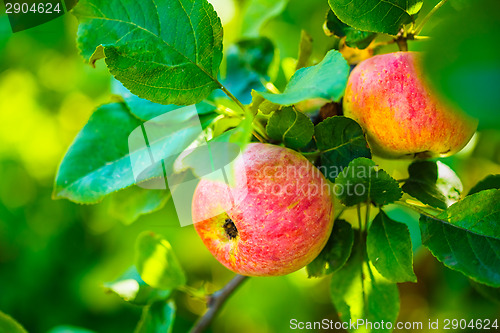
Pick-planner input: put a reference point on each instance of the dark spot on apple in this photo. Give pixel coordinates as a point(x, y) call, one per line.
point(230, 229)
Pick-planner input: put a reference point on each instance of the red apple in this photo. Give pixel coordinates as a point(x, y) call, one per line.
point(401, 115)
point(282, 217)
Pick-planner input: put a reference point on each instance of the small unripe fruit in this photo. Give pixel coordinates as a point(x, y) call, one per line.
point(400, 114)
point(281, 219)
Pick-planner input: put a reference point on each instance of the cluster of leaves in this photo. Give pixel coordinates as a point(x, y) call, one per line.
point(158, 71)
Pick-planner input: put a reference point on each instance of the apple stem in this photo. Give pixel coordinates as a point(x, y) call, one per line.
point(402, 44)
point(215, 303)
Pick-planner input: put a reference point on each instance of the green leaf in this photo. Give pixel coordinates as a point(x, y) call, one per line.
point(9, 325)
point(147, 110)
point(168, 52)
point(305, 50)
point(131, 288)
point(130, 204)
point(433, 183)
point(99, 150)
point(87, 174)
point(157, 318)
point(466, 237)
point(156, 262)
point(379, 301)
point(353, 37)
point(248, 63)
point(362, 182)
point(384, 16)
point(490, 182)
point(336, 251)
point(291, 127)
point(261, 104)
point(326, 80)
point(340, 140)
point(389, 249)
point(257, 13)
point(467, 76)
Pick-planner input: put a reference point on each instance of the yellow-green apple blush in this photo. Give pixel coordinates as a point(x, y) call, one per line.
point(400, 113)
point(279, 215)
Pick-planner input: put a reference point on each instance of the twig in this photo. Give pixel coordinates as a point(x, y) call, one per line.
point(215, 303)
point(418, 210)
point(427, 17)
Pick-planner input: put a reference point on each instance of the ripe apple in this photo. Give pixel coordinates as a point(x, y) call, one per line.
point(282, 219)
point(401, 115)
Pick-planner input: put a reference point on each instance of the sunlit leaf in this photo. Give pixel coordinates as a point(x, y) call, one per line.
point(433, 183)
point(389, 249)
point(168, 52)
point(363, 182)
point(326, 80)
point(128, 205)
point(87, 174)
point(466, 237)
point(132, 288)
point(156, 262)
point(376, 15)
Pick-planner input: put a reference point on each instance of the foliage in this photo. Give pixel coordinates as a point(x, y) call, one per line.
point(167, 62)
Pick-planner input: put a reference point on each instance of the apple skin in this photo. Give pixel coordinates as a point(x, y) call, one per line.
point(279, 230)
point(400, 114)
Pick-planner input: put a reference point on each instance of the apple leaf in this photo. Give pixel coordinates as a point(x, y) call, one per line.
point(433, 183)
point(257, 13)
point(353, 37)
point(131, 288)
point(291, 127)
point(490, 182)
point(336, 251)
point(261, 104)
point(156, 262)
point(362, 182)
point(466, 236)
point(305, 50)
point(147, 110)
point(465, 77)
point(339, 140)
point(327, 80)
point(128, 205)
point(389, 249)
point(359, 292)
point(83, 175)
point(384, 16)
point(157, 317)
point(87, 175)
point(9, 325)
point(248, 63)
point(168, 52)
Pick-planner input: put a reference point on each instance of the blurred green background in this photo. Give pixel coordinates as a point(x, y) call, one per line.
point(56, 255)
